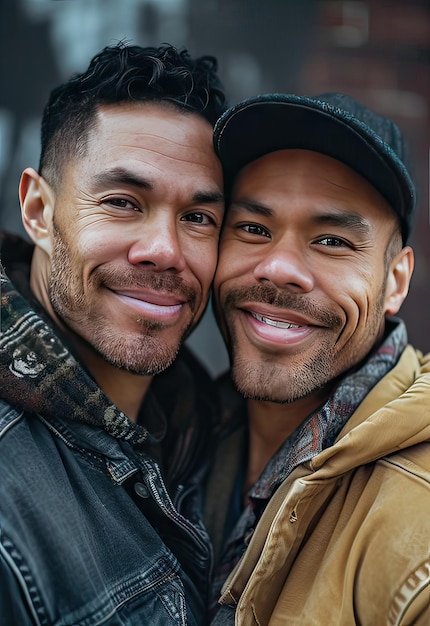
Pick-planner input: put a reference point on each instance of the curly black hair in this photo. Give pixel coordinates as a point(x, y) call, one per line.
point(124, 73)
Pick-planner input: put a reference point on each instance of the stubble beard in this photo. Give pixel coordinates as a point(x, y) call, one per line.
point(280, 382)
point(285, 381)
point(145, 353)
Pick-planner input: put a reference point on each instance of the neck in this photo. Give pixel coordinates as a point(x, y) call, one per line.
point(126, 389)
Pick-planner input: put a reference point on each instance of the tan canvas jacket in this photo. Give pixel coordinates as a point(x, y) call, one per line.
point(345, 539)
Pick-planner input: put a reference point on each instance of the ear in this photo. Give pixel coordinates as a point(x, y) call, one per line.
point(37, 208)
point(398, 280)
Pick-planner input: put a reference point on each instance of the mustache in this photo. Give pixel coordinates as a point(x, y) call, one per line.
point(145, 279)
point(269, 294)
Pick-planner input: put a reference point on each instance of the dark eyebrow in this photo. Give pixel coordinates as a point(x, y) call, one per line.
point(208, 197)
point(253, 207)
point(347, 220)
point(342, 219)
point(122, 176)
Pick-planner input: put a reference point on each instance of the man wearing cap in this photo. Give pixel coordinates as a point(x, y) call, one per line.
point(321, 478)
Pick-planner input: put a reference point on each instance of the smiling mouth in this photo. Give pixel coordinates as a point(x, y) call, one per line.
point(151, 305)
point(270, 322)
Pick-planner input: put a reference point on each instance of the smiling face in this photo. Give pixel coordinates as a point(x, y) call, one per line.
point(304, 278)
point(130, 238)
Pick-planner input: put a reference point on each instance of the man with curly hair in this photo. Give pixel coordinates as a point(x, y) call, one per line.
point(104, 417)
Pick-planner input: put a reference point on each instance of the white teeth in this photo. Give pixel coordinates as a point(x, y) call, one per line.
point(267, 320)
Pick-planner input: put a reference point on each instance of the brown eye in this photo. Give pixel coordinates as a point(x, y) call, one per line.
point(255, 229)
point(333, 242)
point(198, 218)
point(121, 203)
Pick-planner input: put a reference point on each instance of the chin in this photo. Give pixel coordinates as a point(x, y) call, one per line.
point(278, 382)
point(147, 355)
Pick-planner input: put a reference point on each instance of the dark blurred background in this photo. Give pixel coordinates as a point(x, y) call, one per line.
point(376, 50)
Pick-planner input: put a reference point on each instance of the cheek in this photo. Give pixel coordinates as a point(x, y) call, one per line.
point(202, 261)
point(97, 250)
point(360, 302)
point(223, 274)
point(101, 242)
point(80, 256)
point(234, 263)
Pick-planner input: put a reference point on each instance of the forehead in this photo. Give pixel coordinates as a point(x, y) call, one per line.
point(147, 121)
point(288, 165)
point(157, 136)
point(308, 176)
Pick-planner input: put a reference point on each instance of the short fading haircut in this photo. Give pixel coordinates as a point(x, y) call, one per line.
point(124, 73)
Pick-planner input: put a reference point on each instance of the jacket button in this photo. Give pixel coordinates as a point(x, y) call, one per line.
point(141, 490)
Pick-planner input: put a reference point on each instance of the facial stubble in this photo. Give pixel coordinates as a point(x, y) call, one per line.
point(271, 376)
point(145, 353)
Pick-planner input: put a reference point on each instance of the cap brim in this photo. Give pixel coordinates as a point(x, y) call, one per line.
point(262, 125)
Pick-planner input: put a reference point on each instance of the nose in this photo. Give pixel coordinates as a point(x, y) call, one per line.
point(158, 246)
point(286, 267)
